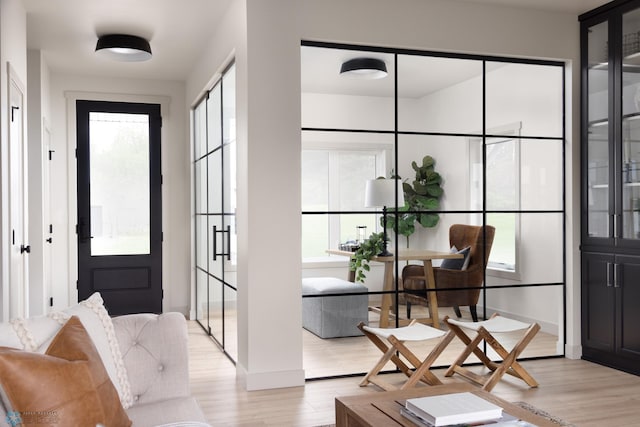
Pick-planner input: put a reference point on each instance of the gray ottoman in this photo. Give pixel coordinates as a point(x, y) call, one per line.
point(336, 316)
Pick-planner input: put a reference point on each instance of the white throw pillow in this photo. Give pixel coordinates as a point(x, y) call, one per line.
point(36, 333)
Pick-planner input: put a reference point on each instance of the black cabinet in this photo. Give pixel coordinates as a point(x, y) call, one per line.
point(610, 219)
point(610, 315)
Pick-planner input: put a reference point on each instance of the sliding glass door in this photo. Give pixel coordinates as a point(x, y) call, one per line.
point(214, 164)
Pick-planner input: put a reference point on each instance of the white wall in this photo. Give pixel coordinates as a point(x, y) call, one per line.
point(175, 170)
point(13, 50)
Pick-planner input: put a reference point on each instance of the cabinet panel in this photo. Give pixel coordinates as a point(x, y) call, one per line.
point(628, 296)
point(598, 301)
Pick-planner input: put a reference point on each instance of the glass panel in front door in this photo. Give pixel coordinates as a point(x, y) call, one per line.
point(631, 125)
point(598, 132)
point(119, 158)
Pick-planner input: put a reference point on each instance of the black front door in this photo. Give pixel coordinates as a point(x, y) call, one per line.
point(119, 224)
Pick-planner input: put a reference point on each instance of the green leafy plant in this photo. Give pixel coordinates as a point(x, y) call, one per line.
point(368, 249)
point(423, 194)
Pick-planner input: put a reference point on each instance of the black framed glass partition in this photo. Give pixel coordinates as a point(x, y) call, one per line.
point(214, 165)
point(494, 128)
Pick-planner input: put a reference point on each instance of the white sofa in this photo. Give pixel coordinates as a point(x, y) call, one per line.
point(145, 355)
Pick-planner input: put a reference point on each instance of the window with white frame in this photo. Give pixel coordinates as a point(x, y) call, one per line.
point(502, 172)
point(333, 181)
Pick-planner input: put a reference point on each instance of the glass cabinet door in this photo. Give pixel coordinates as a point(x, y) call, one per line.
point(598, 147)
point(630, 138)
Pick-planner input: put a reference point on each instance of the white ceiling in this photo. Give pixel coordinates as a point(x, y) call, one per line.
point(66, 31)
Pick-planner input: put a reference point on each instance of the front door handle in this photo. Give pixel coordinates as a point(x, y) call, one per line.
point(24, 249)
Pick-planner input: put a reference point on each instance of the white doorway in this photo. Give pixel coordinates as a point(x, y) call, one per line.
point(19, 248)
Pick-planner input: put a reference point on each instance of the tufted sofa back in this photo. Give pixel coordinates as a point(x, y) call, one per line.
point(155, 353)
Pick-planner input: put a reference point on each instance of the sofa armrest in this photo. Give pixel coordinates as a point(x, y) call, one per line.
point(155, 353)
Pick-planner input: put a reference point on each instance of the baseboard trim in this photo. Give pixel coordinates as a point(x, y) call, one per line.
point(572, 351)
point(270, 380)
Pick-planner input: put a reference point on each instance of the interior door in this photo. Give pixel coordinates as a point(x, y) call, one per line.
point(18, 268)
point(119, 224)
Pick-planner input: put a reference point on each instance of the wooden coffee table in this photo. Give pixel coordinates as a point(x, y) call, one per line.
point(383, 408)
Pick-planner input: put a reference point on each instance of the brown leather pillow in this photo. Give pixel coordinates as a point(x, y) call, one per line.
point(68, 385)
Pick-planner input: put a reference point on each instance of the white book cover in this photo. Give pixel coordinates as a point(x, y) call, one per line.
point(455, 408)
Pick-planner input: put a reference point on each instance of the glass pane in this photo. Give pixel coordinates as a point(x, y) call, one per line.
point(532, 240)
point(201, 185)
point(119, 159)
point(217, 245)
point(336, 101)
point(630, 124)
point(350, 225)
point(315, 236)
point(503, 174)
point(229, 179)
point(215, 308)
point(541, 304)
point(230, 322)
point(200, 130)
point(458, 181)
point(214, 166)
point(201, 241)
point(315, 180)
point(214, 129)
point(439, 94)
point(541, 174)
point(503, 250)
point(230, 273)
point(229, 105)
point(598, 133)
point(353, 170)
point(531, 94)
point(202, 312)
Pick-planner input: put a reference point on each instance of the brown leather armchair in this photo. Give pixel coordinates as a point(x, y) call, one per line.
point(480, 239)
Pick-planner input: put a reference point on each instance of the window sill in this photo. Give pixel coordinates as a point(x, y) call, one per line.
point(325, 262)
point(503, 274)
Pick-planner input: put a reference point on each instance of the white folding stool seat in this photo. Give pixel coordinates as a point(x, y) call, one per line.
point(396, 337)
point(484, 330)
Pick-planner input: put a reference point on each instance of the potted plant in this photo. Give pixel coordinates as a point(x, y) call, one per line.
point(421, 196)
point(369, 248)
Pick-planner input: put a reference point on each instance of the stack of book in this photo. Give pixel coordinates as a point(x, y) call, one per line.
point(457, 409)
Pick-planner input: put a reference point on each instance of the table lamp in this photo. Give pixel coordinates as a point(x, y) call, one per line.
point(382, 193)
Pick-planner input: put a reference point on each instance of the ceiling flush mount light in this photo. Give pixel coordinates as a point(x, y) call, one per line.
point(123, 47)
point(365, 68)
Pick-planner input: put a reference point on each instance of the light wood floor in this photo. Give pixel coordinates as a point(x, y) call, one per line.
point(580, 392)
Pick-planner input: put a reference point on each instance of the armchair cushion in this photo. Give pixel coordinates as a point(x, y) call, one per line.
point(457, 263)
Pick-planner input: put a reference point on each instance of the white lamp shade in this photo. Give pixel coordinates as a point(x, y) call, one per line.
point(382, 192)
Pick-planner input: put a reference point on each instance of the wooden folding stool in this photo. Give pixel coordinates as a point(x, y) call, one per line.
point(484, 330)
point(396, 337)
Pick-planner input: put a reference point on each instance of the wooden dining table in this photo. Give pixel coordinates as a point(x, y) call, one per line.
point(424, 255)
